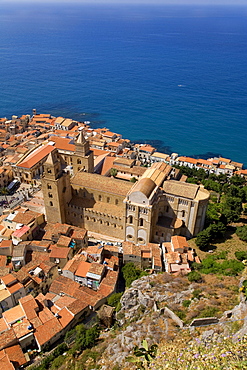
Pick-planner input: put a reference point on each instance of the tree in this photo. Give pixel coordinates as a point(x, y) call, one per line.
point(242, 233)
point(216, 230)
point(231, 209)
point(203, 240)
point(237, 180)
point(131, 273)
point(212, 185)
point(213, 213)
point(114, 300)
point(191, 180)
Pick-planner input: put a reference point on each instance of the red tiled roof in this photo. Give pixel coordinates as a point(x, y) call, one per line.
point(65, 317)
point(23, 230)
point(16, 355)
point(83, 269)
point(47, 331)
point(63, 143)
point(36, 156)
point(7, 279)
point(59, 252)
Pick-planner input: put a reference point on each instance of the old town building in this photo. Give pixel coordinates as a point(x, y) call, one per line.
point(153, 209)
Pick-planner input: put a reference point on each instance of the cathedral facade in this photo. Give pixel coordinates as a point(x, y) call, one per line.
point(153, 209)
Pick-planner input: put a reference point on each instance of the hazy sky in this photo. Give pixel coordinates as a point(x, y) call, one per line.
point(182, 2)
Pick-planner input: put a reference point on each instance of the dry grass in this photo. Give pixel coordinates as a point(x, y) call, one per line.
point(183, 353)
point(231, 244)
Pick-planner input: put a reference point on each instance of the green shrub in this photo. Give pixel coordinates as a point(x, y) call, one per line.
point(114, 300)
point(194, 276)
point(242, 233)
point(180, 314)
point(57, 362)
point(197, 293)
point(131, 273)
point(241, 255)
point(186, 303)
point(228, 267)
point(209, 311)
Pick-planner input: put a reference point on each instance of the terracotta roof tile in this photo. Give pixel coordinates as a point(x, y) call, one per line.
point(59, 252)
point(13, 314)
point(21, 328)
point(47, 331)
point(83, 269)
point(65, 317)
point(5, 361)
point(45, 315)
point(104, 184)
point(16, 355)
point(36, 156)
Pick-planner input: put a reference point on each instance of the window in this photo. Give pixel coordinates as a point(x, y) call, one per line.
point(131, 219)
point(100, 197)
point(51, 204)
point(116, 202)
point(140, 240)
point(78, 161)
point(48, 170)
point(108, 200)
point(50, 195)
point(182, 213)
point(141, 222)
point(49, 186)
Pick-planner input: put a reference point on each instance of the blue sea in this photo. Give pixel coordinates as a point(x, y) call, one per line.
point(170, 75)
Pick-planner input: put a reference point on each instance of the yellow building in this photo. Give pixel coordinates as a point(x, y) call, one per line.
point(153, 209)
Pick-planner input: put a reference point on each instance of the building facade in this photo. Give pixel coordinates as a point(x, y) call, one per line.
point(153, 209)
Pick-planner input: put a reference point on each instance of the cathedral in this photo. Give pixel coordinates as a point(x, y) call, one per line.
point(156, 207)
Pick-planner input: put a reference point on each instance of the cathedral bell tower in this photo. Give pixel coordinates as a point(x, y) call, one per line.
point(56, 189)
point(82, 159)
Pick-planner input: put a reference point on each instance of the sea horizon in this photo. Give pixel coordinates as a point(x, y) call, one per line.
point(170, 75)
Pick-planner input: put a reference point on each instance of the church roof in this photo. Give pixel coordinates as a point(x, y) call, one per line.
point(145, 186)
point(179, 189)
point(101, 183)
point(81, 139)
point(51, 159)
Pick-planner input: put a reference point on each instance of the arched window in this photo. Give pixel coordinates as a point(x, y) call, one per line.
point(130, 219)
point(49, 186)
point(141, 222)
point(183, 213)
point(78, 161)
point(100, 197)
point(50, 195)
point(116, 202)
point(140, 240)
point(108, 200)
point(51, 204)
